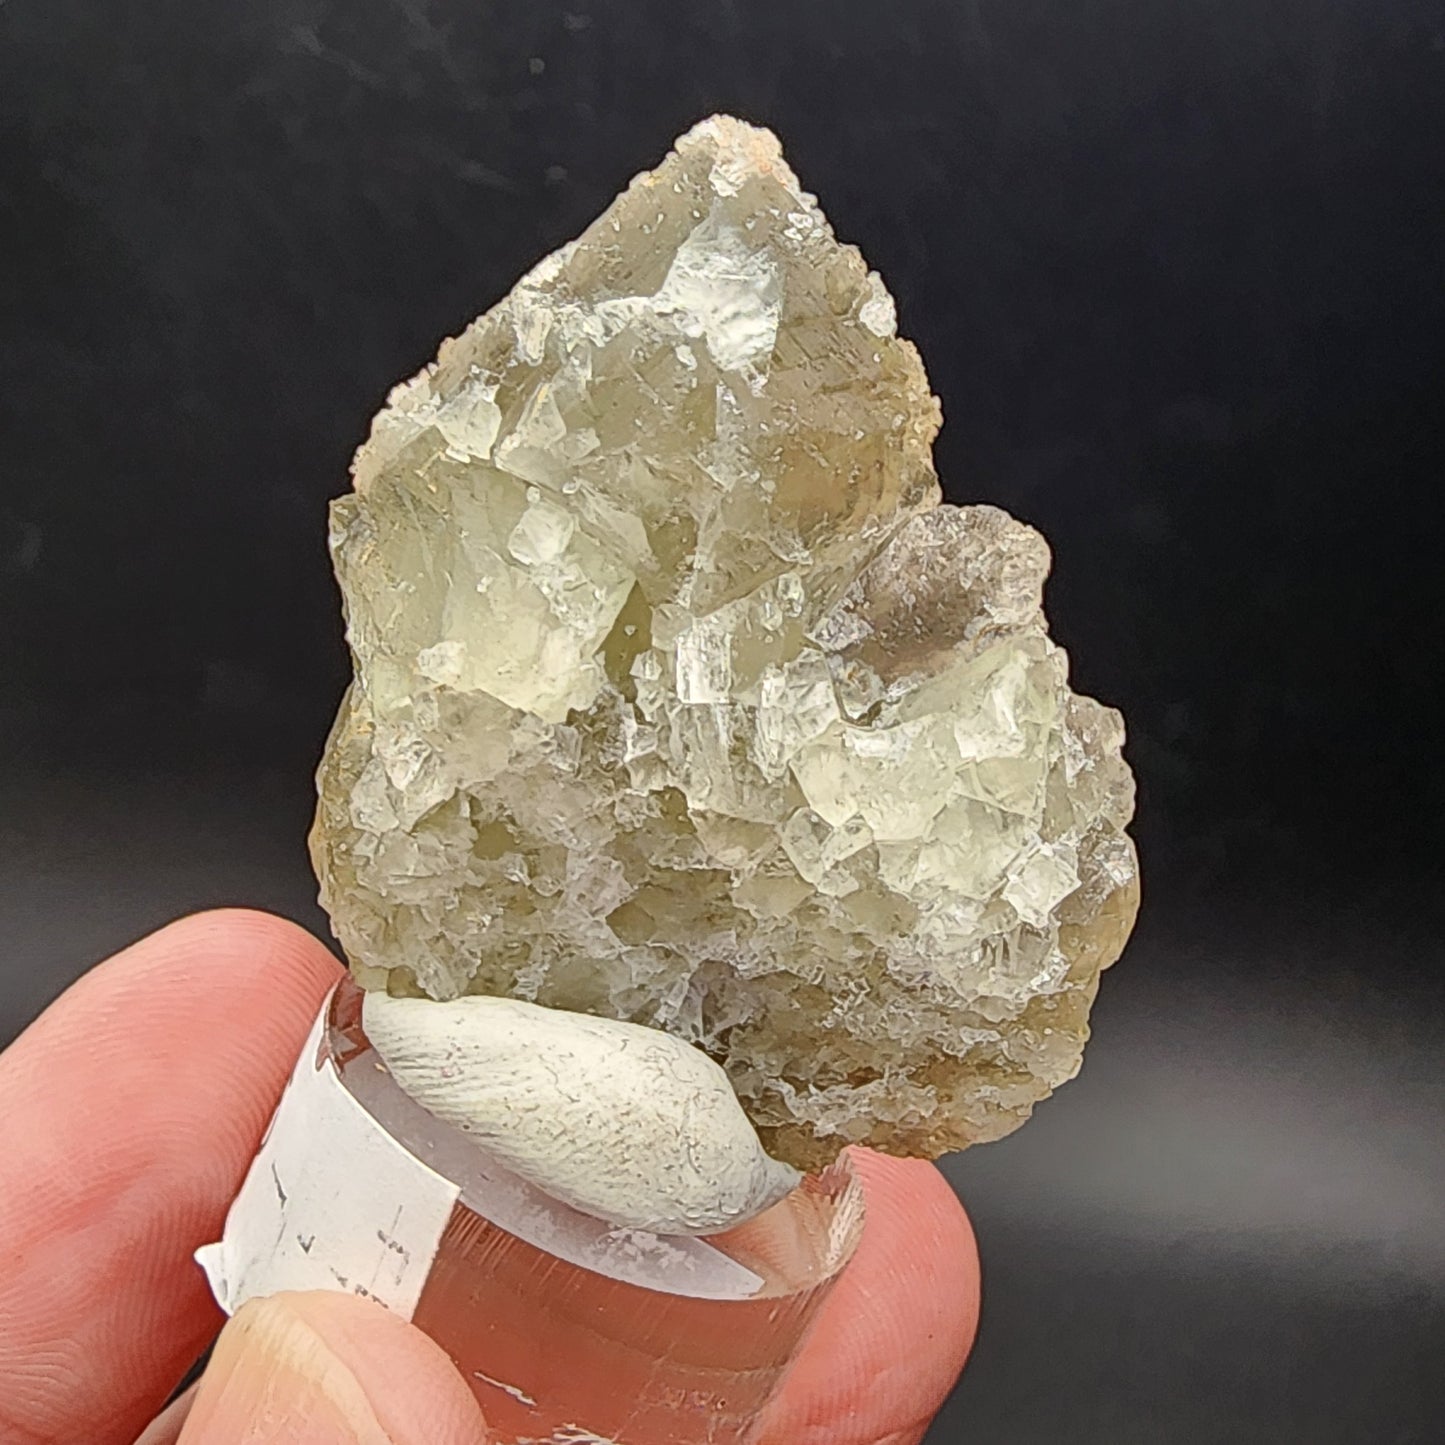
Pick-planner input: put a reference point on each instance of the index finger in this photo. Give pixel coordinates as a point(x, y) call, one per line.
point(132, 1109)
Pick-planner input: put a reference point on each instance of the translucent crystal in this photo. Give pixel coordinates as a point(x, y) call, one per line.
point(681, 698)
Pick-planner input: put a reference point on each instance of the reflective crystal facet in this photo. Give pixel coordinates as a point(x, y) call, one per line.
point(681, 698)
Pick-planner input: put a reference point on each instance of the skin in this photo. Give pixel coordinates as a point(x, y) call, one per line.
point(132, 1109)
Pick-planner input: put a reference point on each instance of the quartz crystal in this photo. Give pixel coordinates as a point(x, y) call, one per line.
point(681, 698)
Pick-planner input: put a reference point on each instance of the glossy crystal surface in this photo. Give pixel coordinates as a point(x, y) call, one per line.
point(681, 698)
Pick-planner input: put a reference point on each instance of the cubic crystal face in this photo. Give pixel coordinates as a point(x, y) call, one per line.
point(681, 698)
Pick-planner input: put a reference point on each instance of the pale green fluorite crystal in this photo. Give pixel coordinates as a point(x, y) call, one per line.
point(681, 699)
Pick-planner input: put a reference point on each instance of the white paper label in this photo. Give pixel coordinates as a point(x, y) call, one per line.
point(331, 1201)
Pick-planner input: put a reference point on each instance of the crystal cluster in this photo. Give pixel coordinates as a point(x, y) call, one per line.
point(680, 698)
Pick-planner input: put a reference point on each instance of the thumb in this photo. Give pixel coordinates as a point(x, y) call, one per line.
point(329, 1369)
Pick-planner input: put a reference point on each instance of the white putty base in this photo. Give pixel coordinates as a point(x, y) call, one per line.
point(340, 1196)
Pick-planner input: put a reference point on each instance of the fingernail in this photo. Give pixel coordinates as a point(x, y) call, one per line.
point(274, 1378)
point(328, 1368)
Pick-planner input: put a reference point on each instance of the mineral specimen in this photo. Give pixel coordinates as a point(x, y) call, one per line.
point(681, 699)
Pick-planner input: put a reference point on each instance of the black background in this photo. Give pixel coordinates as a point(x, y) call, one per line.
point(1177, 270)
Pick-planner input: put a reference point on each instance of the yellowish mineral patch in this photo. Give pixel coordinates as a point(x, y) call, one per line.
point(681, 699)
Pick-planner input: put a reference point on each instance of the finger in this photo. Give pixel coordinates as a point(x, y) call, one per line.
point(165, 1429)
point(892, 1337)
point(329, 1369)
point(132, 1109)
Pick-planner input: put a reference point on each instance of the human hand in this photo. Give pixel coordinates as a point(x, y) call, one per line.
point(132, 1108)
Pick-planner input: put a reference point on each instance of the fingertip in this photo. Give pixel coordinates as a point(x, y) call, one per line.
point(329, 1369)
point(893, 1336)
point(218, 1002)
point(229, 964)
point(242, 947)
point(134, 1105)
point(917, 1215)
